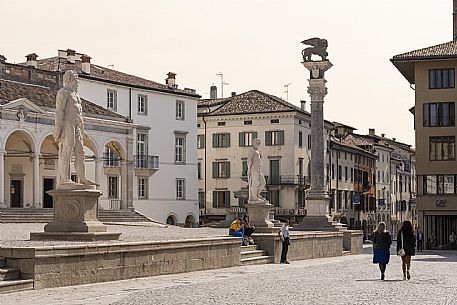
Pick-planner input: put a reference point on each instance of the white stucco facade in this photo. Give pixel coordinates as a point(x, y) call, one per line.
point(157, 120)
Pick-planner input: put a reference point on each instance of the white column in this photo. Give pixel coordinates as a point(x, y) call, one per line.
point(36, 181)
point(98, 170)
point(2, 178)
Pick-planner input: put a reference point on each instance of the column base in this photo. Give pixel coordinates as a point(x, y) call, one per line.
point(318, 223)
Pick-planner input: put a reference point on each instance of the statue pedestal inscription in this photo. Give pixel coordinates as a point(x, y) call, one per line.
point(75, 217)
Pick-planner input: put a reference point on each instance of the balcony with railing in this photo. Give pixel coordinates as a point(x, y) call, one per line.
point(294, 180)
point(146, 163)
point(111, 160)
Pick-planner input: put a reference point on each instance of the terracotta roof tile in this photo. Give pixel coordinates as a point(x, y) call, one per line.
point(448, 49)
point(253, 101)
point(46, 97)
point(106, 74)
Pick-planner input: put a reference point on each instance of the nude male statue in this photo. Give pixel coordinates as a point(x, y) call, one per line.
point(256, 180)
point(69, 131)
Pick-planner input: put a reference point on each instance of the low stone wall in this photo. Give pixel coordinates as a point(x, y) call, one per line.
point(75, 265)
point(353, 241)
point(304, 245)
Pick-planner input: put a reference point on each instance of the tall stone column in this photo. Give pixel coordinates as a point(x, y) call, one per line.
point(317, 199)
point(2, 178)
point(36, 180)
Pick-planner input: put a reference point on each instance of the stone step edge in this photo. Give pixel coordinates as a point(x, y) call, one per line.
point(252, 251)
point(7, 283)
point(263, 257)
point(8, 269)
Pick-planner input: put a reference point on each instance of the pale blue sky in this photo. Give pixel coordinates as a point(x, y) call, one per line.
point(256, 44)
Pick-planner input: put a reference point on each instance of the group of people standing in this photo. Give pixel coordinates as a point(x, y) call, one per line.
point(406, 247)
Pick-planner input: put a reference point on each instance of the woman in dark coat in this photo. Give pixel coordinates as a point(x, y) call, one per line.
point(406, 238)
point(381, 245)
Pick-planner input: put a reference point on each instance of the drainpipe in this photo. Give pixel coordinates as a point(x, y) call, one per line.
point(204, 123)
point(130, 103)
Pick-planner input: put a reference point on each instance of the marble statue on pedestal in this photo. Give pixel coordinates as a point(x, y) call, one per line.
point(256, 180)
point(69, 132)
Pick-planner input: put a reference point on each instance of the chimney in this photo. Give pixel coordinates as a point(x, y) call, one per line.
point(2, 64)
point(170, 81)
point(394, 139)
point(213, 92)
point(71, 56)
point(371, 131)
point(233, 93)
point(383, 135)
point(85, 64)
point(454, 20)
point(31, 60)
point(303, 105)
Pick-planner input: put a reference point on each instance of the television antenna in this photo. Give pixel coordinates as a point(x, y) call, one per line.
point(222, 83)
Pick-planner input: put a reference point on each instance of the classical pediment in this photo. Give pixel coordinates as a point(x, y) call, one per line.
point(24, 105)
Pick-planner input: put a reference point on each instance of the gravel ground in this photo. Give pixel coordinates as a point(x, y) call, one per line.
point(17, 235)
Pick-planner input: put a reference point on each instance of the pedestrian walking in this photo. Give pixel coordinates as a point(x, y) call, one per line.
point(284, 236)
point(381, 245)
point(420, 240)
point(453, 240)
point(406, 247)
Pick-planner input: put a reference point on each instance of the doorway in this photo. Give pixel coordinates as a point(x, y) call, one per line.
point(16, 193)
point(48, 185)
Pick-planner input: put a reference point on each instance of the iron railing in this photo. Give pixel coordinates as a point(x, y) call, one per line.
point(147, 162)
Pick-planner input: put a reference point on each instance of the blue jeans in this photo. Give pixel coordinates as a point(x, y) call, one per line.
point(239, 233)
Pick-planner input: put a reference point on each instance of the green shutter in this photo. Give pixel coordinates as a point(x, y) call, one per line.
point(227, 198)
point(281, 137)
point(203, 140)
point(267, 138)
point(228, 140)
point(214, 140)
point(214, 199)
point(214, 169)
point(241, 138)
point(254, 135)
point(227, 169)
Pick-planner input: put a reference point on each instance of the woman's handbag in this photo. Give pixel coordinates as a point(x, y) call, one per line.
point(401, 252)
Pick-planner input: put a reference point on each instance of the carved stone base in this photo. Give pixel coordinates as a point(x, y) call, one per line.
point(317, 204)
point(75, 217)
point(318, 223)
point(259, 214)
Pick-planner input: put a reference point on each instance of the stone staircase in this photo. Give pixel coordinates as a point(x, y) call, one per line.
point(253, 255)
point(19, 215)
point(10, 279)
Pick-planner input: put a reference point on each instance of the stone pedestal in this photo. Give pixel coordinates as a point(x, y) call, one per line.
point(259, 214)
point(75, 217)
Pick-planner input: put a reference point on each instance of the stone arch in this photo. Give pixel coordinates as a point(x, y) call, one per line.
point(19, 172)
point(28, 135)
point(190, 221)
point(172, 219)
point(117, 147)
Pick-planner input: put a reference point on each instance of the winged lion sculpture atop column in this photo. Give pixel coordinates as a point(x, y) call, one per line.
point(319, 47)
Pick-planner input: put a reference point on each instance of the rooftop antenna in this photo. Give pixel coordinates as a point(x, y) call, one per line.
point(286, 91)
point(111, 66)
point(222, 83)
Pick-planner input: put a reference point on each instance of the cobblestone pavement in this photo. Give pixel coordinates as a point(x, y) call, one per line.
point(339, 280)
point(18, 235)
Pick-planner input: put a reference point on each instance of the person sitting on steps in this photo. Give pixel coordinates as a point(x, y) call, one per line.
point(248, 229)
point(237, 230)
